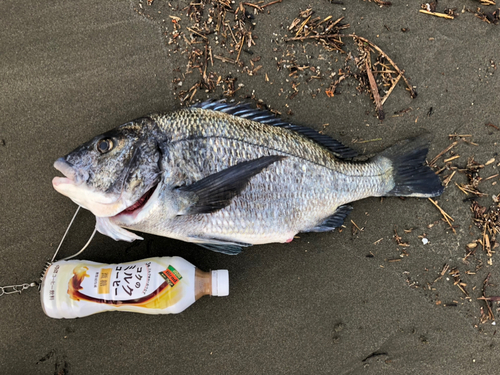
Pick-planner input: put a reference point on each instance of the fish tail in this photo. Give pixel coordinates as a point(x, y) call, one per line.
point(410, 176)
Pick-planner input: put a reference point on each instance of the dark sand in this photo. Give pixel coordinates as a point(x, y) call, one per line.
point(71, 70)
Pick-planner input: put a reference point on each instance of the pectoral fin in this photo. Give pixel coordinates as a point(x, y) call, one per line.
point(216, 191)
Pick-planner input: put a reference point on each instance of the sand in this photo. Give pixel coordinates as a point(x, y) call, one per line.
point(349, 302)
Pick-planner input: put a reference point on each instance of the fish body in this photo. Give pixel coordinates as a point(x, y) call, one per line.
point(227, 176)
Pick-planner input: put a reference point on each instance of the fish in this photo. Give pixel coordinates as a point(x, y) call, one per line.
point(227, 176)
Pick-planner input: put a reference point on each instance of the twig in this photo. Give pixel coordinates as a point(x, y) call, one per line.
point(197, 33)
point(447, 180)
point(224, 59)
point(335, 23)
point(241, 47)
point(392, 88)
point(433, 161)
point(358, 228)
point(302, 26)
point(466, 190)
point(489, 178)
point(485, 284)
point(413, 93)
point(492, 298)
point(446, 267)
point(445, 215)
point(271, 3)
point(442, 15)
point(370, 140)
point(450, 159)
point(374, 90)
point(258, 7)
point(462, 189)
point(314, 37)
point(493, 126)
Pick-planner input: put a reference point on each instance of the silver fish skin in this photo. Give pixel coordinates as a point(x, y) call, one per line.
point(227, 176)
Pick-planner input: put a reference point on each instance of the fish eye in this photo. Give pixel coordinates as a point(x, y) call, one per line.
point(104, 145)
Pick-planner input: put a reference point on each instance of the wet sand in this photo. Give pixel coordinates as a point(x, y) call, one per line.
point(349, 302)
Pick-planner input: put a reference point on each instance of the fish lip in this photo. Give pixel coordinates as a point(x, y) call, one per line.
point(67, 170)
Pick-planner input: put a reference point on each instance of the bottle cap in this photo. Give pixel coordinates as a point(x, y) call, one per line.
point(220, 283)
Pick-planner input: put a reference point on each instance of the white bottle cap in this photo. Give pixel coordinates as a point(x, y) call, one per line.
point(220, 283)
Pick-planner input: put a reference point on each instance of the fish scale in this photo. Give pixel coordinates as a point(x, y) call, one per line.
point(299, 199)
point(206, 175)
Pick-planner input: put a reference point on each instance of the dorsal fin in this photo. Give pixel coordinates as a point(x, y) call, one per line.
point(244, 110)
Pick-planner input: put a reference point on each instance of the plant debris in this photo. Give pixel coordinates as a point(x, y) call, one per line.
point(491, 17)
point(212, 33)
point(207, 34)
point(399, 240)
point(436, 14)
point(382, 72)
point(487, 219)
point(472, 172)
point(455, 273)
point(380, 3)
point(488, 17)
point(446, 217)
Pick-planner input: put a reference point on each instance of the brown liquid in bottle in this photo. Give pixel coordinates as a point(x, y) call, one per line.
point(202, 284)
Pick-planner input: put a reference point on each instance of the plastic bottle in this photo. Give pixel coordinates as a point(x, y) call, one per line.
point(162, 285)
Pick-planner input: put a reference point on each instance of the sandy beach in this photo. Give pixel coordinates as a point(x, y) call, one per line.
point(396, 291)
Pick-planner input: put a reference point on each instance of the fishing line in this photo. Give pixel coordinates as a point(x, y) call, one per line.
point(11, 289)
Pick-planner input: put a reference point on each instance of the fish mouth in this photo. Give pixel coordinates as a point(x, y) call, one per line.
point(141, 202)
point(67, 170)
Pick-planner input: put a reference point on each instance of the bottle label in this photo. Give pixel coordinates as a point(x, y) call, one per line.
point(133, 284)
point(171, 276)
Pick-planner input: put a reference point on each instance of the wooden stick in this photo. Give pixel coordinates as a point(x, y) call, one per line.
point(302, 26)
point(271, 3)
point(370, 140)
point(450, 159)
point(447, 180)
point(433, 161)
point(315, 37)
point(254, 6)
point(197, 33)
point(392, 88)
point(241, 47)
point(374, 90)
point(224, 59)
point(442, 15)
point(358, 228)
point(445, 215)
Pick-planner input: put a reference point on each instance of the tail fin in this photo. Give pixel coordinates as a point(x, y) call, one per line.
point(412, 178)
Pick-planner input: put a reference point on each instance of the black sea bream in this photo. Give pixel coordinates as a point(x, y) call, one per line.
point(227, 176)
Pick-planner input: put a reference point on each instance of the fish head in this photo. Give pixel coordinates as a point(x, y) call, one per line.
point(115, 171)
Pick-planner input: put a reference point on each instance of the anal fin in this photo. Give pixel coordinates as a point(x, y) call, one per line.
point(220, 246)
point(333, 221)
